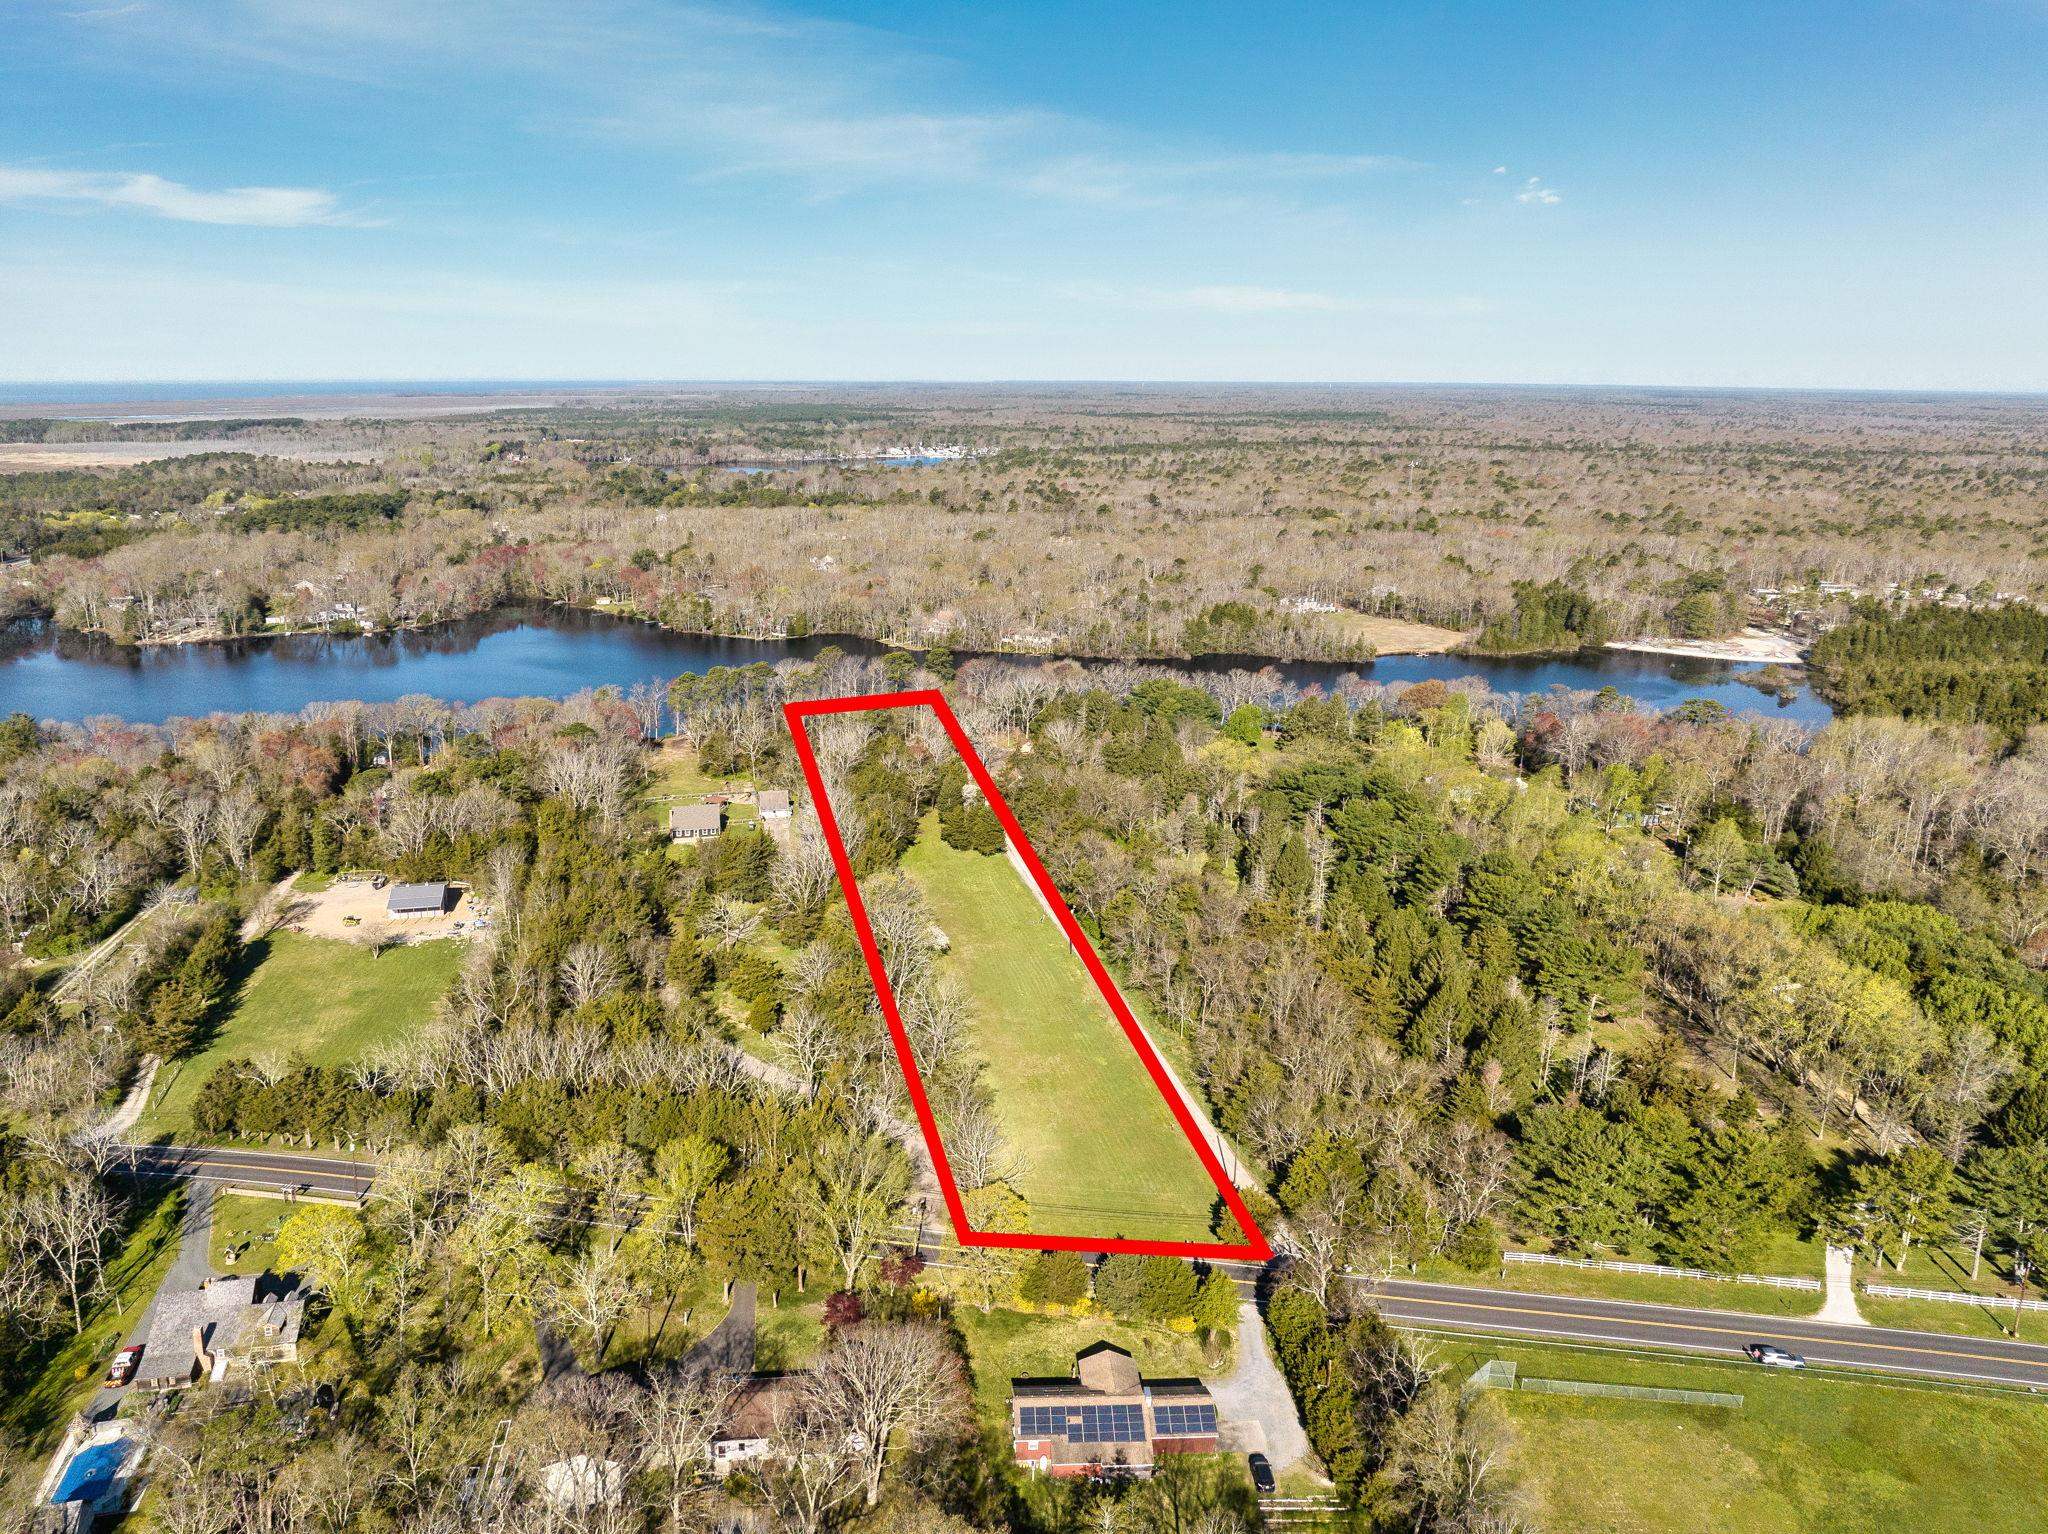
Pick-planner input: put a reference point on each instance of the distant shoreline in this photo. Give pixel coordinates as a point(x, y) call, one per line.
point(1752, 646)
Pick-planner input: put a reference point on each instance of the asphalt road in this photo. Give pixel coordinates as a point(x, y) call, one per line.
point(1565, 1318)
point(282, 1171)
point(1404, 1302)
point(1624, 1323)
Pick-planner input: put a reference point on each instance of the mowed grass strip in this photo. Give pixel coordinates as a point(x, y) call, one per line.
point(1805, 1454)
point(326, 1001)
point(1102, 1154)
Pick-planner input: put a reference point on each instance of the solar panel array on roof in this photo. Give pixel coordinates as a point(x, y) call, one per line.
point(1083, 1424)
point(1187, 1421)
point(1110, 1424)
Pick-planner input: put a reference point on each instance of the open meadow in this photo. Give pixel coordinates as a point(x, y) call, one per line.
point(1805, 1453)
point(1101, 1152)
point(297, 996)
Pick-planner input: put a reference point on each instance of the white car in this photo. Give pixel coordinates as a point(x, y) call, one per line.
point(1773, 1357)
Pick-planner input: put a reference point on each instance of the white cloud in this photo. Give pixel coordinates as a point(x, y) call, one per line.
point(728, 89)
point(1535, 192)
point(273, 207)
point(1237, 299)
point(1500, 170)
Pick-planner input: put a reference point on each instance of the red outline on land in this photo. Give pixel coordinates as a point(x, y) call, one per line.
point(1256, 1248)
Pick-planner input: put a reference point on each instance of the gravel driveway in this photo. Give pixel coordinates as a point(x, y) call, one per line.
point(1253, 1400)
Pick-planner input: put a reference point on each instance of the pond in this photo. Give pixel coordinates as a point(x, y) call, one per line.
point(554, 651)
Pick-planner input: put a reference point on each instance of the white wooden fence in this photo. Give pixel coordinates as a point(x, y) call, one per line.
point(1950, 1297)
point(1656, 1270)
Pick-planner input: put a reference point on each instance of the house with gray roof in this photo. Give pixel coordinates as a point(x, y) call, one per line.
point(695, 822)
point(194, 1334)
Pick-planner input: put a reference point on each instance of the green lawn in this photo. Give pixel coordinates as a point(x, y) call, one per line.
point(674, 777)
point(326, 1000)
point(66, 1371)
point(1804, 1454)
point(1102, 1154)
point(1592, 1283)
point(1009, 1344)
point(1787, 1255)
point(245, 1230)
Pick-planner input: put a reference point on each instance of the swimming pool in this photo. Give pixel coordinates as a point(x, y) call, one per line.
point(92, 1472)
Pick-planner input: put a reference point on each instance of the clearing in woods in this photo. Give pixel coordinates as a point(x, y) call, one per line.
point(1108, 1162)
point(315, 998)
point(1101, 1152)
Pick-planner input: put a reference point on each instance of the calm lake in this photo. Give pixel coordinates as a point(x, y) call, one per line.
point(552, 652)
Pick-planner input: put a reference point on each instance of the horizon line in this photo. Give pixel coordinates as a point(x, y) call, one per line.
point(508, 384)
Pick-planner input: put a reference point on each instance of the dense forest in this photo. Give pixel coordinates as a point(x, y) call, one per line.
point(1968, 667)
point(1160, 523)
point(1452, 970)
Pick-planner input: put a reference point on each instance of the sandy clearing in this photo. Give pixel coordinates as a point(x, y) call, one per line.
point(31, 457)
point(1397, 636)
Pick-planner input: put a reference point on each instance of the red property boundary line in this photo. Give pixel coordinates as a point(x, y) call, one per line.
point(1255, 1248)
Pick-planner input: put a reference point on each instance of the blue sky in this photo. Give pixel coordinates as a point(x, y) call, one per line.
point(1817, 194)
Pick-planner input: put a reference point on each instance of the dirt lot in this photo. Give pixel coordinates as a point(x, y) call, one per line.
point(24, 457)
point(1397, 636)
point(326, 913)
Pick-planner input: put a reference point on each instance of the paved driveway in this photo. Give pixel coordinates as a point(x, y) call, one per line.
point(188, 1270)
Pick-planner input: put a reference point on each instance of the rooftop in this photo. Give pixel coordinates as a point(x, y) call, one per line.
point(695, 817)
point(417, 899)
point(244, 1312)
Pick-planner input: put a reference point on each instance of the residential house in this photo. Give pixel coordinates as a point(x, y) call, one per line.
point(758, 1404)
point(248, 1319)
point(1107, 1421)
point(773, 803)
point(695, 822)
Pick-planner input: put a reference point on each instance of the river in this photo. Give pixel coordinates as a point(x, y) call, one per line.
point(552, 652)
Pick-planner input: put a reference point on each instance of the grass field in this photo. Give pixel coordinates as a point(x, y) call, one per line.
point(1394, 636)
point(1101, 1151)
point(245, 1229)
point(68, 1370)
point(310, 996)
point(1787, 1255)
point(1805, 1454)
point(674, 777)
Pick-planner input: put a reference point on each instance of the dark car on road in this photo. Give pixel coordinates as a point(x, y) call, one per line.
point(1262, 1473)
point(1773, 1357)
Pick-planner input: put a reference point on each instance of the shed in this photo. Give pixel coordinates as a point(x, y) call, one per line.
point(417, 899)
point(774, 803)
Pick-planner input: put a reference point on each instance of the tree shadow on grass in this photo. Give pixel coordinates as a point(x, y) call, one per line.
point(247, 962)
point(35, 1394)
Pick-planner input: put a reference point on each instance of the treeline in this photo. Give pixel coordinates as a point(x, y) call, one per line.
point(1550, 616)
point(342, 509)
point(1968, 666)
point(48, 429)
point(1166, 537)
point(166, 487)
point(1404, 1446)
